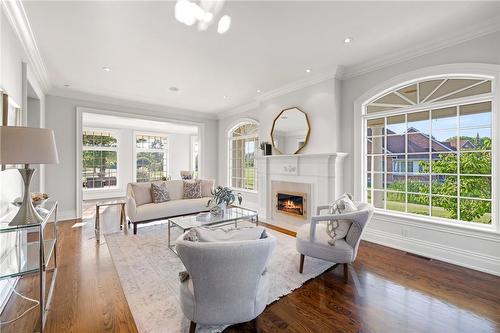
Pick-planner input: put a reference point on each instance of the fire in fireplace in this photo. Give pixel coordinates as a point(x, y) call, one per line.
point(291, 204)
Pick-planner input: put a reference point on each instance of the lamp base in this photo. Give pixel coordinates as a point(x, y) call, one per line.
point(27, 213)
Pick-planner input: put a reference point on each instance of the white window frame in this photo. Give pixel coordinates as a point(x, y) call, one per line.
point(147, 150)
point(230, 139)
point(117, 135)
point(194, 140)
point(478, 71)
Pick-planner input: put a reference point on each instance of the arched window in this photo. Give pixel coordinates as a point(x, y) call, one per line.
point(243, 140)
point(428, 149)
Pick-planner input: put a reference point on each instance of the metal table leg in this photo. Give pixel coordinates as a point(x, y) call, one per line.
point(97, 227)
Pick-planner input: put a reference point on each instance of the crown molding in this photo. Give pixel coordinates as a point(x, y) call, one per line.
point(467, 34)
point(283, 90)
point(16, 14)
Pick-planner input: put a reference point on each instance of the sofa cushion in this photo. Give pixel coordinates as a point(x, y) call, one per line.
point(142, 193)
point(159, 192)
point(221, 235)
point(207, 185)
point(153, 211)
point(192, 189)
point(175, 189)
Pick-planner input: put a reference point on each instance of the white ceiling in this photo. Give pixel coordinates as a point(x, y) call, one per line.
point(108, 121)
point(270, 44)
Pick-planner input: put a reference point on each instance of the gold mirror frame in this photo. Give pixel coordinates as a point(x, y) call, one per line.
point(307, 135)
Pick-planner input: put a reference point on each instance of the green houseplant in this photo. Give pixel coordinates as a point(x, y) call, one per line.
point(221, 198)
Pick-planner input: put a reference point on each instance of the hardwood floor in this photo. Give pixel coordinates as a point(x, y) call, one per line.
point(388, 291)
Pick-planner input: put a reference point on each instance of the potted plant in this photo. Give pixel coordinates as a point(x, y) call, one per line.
point(221, 198)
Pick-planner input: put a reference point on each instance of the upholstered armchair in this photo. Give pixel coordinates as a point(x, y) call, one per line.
point(312, 238)
point(228, 281)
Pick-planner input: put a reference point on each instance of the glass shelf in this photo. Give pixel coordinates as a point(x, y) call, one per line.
point(24, 259)
point(45, 210)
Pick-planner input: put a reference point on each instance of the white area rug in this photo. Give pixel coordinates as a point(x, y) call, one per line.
point(148, 272)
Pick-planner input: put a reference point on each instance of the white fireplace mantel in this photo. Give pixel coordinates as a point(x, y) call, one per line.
point(324, 172)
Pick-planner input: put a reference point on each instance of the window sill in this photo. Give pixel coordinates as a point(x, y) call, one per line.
point(429, 222)
point(102, 189)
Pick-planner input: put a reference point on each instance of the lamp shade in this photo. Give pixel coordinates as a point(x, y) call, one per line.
point(27, 145)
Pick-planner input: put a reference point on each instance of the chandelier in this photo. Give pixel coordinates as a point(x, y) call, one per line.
point(202, 13)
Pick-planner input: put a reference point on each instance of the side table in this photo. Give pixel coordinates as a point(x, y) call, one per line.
point(98, 206)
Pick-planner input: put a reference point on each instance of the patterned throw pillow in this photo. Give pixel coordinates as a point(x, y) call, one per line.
point(338, 229)
point(192, 189)
point(159, 192)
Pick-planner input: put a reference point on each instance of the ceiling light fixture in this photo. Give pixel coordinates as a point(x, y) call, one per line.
point(224, 24)
point(174, 89)
point(106, 69)
point(225, 97)
point(201, 12)
point(308, 70)
point(259, 91)
point(347, 40)
point(66, 85)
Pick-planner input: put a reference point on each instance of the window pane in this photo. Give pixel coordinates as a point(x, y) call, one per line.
point(478, 163)
point(396, 163)
point(417, 163)
point(396, 182)
point(475, 211)
point(396, 144)
point(417, 143)
point(419, 121)
point(396, 125)
point(418, 204)
point(425, 88)
point(475, 139)
point(393, 100)
point(482, 88)
point(396, 201)
point(475, 187)
point(418, 184)
point(451, 86)
point(475, 115)
point(369, 180)
point(378, 199)
point(409, 92)
point(375, 163)
point(444, 185)
point(444, 207)
point(151, 166)
point(378, 181)
point(444, 118)
point(444, 163)
point(99, 169)
point(369, 196)
point(375, 127)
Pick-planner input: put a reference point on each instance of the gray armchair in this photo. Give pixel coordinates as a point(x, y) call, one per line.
point(312, 239)
point(228, 280)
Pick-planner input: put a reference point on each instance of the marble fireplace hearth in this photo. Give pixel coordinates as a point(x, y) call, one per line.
point(317, 178)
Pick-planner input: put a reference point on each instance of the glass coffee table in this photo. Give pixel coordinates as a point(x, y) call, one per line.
point(231, 216)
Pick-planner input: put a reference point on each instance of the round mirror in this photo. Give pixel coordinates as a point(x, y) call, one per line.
point(290, 131)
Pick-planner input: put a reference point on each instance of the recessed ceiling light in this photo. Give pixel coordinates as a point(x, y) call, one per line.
point(224, 24)
point(66, 85)
point(259, 91)
point(225, 97)
point(174, 89)
point(347, 40)
point(106, 69)
point(308, 70)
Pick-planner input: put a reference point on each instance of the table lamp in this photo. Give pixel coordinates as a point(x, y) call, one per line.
point(27, 145)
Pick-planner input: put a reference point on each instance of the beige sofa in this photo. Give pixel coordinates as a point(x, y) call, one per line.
point(141, 208)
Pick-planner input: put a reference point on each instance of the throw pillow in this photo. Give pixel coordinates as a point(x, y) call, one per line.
point(142, 193)
point(338, 229)
point(192, 189)
point(159, 192)
point(207, 185)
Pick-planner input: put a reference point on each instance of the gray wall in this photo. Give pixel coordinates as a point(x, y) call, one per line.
point(61, 117)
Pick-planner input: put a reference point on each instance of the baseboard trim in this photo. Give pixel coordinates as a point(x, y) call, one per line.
point(456, 256)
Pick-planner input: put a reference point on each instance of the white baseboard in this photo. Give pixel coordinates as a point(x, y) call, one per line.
point(456, 256)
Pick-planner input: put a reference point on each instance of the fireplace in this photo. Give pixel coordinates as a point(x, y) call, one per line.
point(292, 204)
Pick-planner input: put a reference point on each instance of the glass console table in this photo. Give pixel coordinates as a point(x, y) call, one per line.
point(33, 247)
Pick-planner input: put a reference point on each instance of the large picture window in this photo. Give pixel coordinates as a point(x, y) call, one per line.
point(243, 140)
point(428, 150)
point(151, 157)
point(100, 165)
